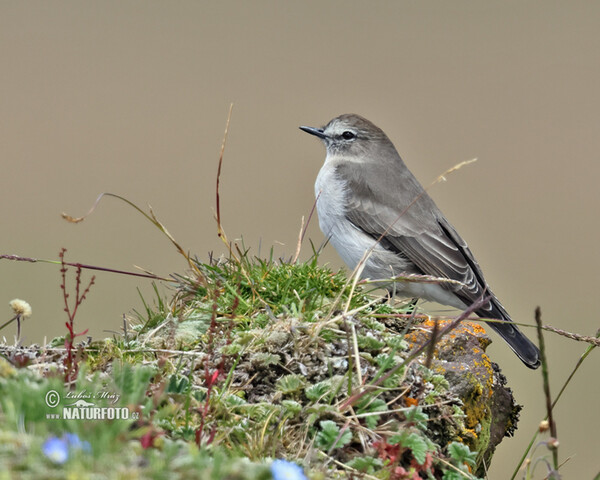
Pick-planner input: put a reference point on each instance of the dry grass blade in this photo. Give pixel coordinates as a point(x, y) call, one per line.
point(442, 177)
point(299, 244)
point(554, 403)
point(151, 217)
point(432, 342)
point(220, 231)
point(345, 467)
point(546, 385)
point(304, 227)
point(356, 354)
point(595, 341)
point(329, 319)
point(84, 266)
point(416, 278)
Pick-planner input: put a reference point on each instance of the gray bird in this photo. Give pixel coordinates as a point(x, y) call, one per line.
point(368, 199)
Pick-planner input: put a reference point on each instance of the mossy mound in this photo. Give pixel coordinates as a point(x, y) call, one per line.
point(264, 359)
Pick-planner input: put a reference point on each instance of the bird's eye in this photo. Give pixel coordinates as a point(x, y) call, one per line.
point(348, 135)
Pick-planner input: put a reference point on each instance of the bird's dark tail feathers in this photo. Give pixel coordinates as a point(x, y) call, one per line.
point(525, 349)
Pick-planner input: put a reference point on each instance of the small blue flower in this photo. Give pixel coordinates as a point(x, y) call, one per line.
point(284, 470)
point(74, 442)
point(56, 449)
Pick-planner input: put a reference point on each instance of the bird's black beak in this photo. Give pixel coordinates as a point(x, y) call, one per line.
point(317, 132)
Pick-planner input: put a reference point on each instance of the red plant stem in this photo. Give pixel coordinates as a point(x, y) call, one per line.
point(70, 365)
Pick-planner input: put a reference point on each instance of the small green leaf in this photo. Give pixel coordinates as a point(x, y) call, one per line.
point(290, 384)
point(461, 453)
point(178, 384)
point(326, 438)
point(369, 343)
point(452, 475)
point(234, 400)
point(318, 391)
point(316, 411)
point(365, 464)
point(265, 359)
point(373, 324)
point(414, 442)
point(231, 349)
point(397, 343)
point(385, 361)
point(291, 407)
point(368, 404)
point(417, 417)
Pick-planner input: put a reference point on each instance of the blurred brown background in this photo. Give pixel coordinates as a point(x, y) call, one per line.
point(132, 97)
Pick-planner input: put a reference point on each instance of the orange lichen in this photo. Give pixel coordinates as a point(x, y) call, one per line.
point(422, 334)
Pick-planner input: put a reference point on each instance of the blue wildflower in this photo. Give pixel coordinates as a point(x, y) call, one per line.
point(74, 442)
point(284, 470)
point(56, 449)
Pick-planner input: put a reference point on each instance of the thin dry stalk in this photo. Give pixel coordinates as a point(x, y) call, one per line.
point(345, 467)
point(85, 267)
point(304, 227)
point(150, 217)
point(356, 354)
point(16, 317)
point(434, 339)
point(220, 231)
point(328, 321)
point(562, 390)
point(545, 375)
point(299, 244)
point(595, 341)
point(415, 278)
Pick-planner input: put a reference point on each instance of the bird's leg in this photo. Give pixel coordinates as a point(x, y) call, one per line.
point(387, 298)
point(412, 306)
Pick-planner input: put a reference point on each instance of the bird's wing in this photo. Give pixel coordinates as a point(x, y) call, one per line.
point(416, 229)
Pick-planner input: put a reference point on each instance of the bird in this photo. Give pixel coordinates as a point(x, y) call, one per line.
point(371, 206)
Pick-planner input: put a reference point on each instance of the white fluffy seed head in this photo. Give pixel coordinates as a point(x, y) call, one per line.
point(20, 307)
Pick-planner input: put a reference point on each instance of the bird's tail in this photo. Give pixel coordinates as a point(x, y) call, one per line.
point(525, 349)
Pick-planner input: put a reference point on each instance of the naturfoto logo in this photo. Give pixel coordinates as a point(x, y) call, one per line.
point(83, 409)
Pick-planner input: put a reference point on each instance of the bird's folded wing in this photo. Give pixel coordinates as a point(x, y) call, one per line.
point(418, 231)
